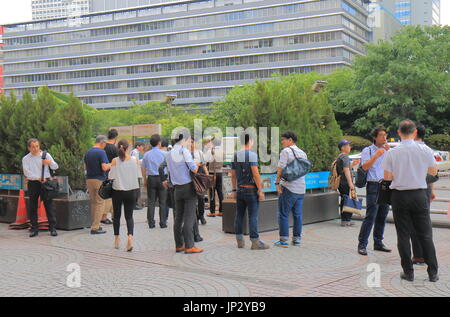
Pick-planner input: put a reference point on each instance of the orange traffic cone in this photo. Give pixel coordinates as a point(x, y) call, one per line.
point(22, 221)
point(42, 216)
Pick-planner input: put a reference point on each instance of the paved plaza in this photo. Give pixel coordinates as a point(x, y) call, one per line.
point(326, 264)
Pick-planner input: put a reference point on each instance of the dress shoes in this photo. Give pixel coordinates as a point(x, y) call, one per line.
point(434, 278)
point(99, 231)
point(407, 277)
point(34, 234)
point(381, 248)
point(362, 250)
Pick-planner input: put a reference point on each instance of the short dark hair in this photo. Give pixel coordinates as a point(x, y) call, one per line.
point(421, 131)
point(245, 138)
point(31, 141)
point(112, 134)
point(407, 127)
point(139, 144)
point(216, 141)
point(375, 131)
point(290, 135)
point(154, 140)
point(164, 142)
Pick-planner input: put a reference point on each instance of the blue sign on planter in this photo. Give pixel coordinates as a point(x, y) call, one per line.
point(10, 182)
point(317, 180)
point(313, 180)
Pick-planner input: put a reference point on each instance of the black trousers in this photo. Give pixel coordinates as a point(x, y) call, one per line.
point(416, 247)
point(344, 189)
point(185, 215)
point(411, 212)
point(212, 196)
point(137, 194)
point(34, 192)
point(155, 190)
point(127, 199)
point(200, 207)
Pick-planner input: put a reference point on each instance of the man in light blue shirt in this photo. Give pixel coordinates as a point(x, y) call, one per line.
point(150, 163)
point(180, 163)
point(371, 160)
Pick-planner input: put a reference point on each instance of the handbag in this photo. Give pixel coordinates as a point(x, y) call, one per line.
point(361, 175)
point(202, 182)
point(384, 192)
point(299, 167)
point(352, 205)
point(106, 189)
point(50, 187)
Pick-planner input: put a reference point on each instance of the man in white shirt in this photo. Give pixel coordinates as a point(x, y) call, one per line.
point(32, 165)
point(291, 194)
point(407, 167)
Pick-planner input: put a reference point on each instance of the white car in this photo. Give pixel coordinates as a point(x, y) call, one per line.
point(442, 157)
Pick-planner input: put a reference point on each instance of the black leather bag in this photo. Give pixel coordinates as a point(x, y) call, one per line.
point(384, 192)
point(361, 175)
point(106, 189)
point(202, 182)
point(50, 188)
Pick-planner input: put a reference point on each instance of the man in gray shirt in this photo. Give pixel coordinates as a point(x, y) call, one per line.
point(407, 167)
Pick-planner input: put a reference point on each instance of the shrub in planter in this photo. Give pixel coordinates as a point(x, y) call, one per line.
point(439, 142)
point(287, 102)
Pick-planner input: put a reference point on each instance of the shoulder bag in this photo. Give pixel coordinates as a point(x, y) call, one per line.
point(299, 167)
point(361, 174)
point(50, 187)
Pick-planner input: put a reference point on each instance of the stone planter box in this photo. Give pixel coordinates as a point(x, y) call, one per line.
point(317, 207)
point(71, 214)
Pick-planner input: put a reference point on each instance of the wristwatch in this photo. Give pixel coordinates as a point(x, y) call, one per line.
point(277, 184)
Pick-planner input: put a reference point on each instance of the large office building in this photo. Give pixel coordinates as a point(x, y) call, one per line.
point(196, 50)
point(418, 12)
point(50, 9)
point(382, 20)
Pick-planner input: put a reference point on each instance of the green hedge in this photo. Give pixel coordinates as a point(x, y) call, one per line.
point(439, 142)
point(358, 143)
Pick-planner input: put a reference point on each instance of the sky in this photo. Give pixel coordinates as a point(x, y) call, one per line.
point(14, 11)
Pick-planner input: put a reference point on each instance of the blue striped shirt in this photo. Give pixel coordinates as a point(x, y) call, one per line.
point(178, 160)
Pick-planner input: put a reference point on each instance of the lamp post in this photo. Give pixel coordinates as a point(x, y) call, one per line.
point(318, 85)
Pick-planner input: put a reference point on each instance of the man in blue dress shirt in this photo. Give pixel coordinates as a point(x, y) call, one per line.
point(371, 159)
point(150, 163)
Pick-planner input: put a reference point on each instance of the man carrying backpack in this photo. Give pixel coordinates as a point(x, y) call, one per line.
point(344, 173)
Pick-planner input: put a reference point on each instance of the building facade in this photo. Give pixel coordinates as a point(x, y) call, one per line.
point(196, 50)
point(418, 12)
point(382, 20)
point(50, 9)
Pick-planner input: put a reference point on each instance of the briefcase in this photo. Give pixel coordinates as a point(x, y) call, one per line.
point(384, 192)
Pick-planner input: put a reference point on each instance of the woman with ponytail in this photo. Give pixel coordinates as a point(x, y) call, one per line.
point(125, 172)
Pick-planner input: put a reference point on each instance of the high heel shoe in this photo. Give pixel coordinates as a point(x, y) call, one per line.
point(116, 243)
point(129, 246)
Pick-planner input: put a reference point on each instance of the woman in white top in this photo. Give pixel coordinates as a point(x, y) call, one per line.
point(125, 173)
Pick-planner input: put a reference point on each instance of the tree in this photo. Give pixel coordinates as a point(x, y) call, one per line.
point(290, 104)
point(69, 132)
point(407, 77)
point(63, 126)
